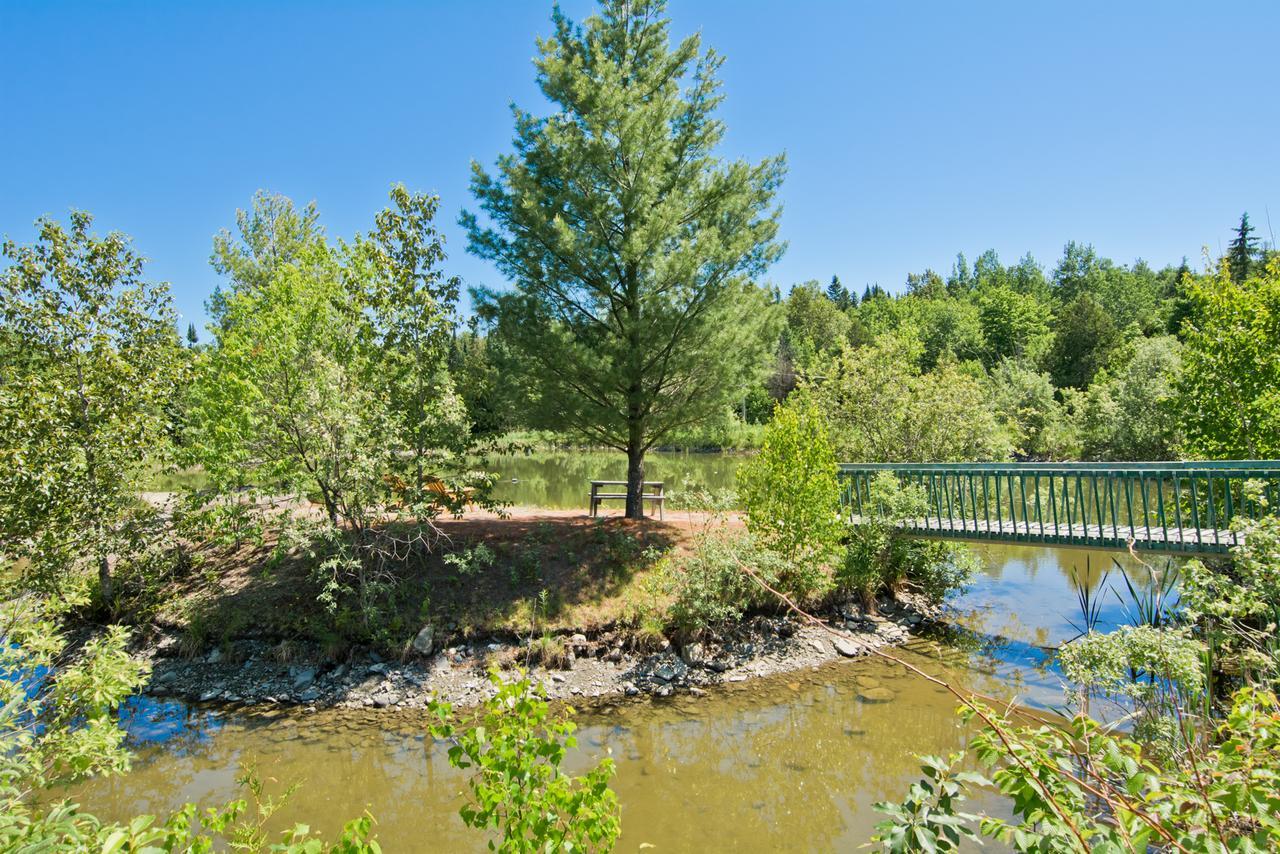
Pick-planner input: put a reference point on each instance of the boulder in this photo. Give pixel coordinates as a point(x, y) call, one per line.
point(847, 647)
point(425, 640)
point(875, 695)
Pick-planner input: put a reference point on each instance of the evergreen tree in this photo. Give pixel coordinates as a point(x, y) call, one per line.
point(192, 338)
point(1242, 250)
point(632, 246)
point(839, 294)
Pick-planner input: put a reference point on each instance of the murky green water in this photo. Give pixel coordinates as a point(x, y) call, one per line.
point(789, 763)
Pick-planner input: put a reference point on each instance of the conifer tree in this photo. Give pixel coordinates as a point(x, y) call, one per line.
point(838, 293)
point(632, 246)
point(1242, 250)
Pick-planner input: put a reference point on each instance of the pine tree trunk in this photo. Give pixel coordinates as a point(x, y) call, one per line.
point(635, 480)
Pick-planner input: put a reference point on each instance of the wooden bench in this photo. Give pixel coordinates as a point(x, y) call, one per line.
point(657, 496)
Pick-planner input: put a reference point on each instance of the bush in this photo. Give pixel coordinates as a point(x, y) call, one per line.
point(878, 558)
point(792, 497)
point(708, 586)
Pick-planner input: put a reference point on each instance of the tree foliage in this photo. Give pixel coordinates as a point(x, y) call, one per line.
point(791, 496)
point(89, 360)
point(631, 245)
point(882, 407)
point(1229, 386)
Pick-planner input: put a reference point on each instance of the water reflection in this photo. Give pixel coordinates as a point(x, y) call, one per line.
point(789, 763)
point(561, 479)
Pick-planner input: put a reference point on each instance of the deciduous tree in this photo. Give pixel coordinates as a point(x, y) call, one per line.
point(90, 359)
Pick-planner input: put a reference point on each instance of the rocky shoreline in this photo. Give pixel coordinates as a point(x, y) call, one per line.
point(250, 672)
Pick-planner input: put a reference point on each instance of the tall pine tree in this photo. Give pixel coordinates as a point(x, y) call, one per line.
point(632, 246)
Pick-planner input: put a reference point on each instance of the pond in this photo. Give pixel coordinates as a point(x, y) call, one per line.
point(562, 479)
point(787, 763)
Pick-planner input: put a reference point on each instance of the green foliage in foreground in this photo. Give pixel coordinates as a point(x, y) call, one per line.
point(1082, 788)
point(58, 726)
point(1192, 776)
point(514, 751)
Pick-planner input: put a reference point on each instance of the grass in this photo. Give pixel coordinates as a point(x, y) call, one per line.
point(517, 576)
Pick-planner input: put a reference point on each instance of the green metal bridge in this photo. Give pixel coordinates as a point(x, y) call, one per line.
point(1165, 507)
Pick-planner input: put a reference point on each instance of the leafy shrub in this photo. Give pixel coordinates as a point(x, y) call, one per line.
point(1084, 787)
point(878, 558)
point(517, 786)
point(468, 562)
point(792, 497)
point(58, 725)
point(710, 588)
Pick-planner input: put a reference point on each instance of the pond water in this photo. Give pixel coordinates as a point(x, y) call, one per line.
point(787, 763)
point(562, 479)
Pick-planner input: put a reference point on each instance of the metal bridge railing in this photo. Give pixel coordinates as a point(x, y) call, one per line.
point(1169, 506)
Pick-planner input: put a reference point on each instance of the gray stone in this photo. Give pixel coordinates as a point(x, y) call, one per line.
point(385, 698)
point(425, 640)
point(630, 689)
point(214, 656)
point(718, 665)
point(665, 672)
point(819, 645)
point(846, 647)
point(303, 677)
point(875, 695)
point(693, 653)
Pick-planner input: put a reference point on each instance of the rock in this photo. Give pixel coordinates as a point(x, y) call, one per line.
point(819, 645)
point(425, 640)
point(718, 665)
point(578, 639)
point(214, 656)
point(665, 672)
point(304, 677)
point(168, 646)
point(630, 689)
point(875, 695)
point(208, 695)
point(385, 698)
point(558, 677)
point(614, 655)
point(847, 647)
point(692, 654)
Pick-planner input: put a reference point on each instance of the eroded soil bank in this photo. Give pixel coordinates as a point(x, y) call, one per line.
point(556, 594)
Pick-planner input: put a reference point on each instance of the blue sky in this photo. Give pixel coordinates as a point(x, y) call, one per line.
point(912, 130)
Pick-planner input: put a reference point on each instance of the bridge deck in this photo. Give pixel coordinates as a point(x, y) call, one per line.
point(1146, 538)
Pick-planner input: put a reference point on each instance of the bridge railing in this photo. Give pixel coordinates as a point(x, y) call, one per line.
point(1162, 506)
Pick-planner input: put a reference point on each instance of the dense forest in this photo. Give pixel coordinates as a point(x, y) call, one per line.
point(1081, 361)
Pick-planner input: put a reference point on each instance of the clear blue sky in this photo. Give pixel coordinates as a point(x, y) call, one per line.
point(913, 130)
